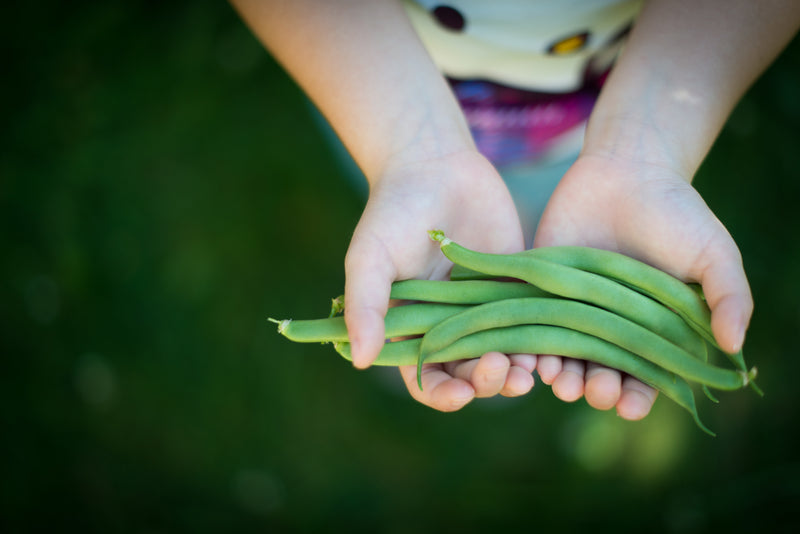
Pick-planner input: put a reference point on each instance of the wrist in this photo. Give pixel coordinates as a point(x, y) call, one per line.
point(428, 171)
point(424, 134)
point(639, 140)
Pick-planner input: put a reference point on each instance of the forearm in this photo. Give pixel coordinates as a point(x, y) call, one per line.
point(685, 67)
point(364, 67)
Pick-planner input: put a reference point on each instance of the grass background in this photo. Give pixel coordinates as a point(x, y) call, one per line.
point(164, 189)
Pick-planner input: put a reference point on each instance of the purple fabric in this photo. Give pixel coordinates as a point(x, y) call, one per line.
point(511, 125)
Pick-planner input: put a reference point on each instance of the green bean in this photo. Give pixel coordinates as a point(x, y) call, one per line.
point(548, 340)
point(686, 301)
point(337, 306)
point(635, 274)
point(574, 344)
point(459, 273)
point(411, 319)
point(393, 354)
point(466, 292)
point(573, 283)
point(638, 275)
point(580, 317)
point(656, 284)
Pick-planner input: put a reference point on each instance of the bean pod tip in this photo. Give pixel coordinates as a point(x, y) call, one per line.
point(337, 306)
point(282, 323)
point(438, 235)
point(750, 380)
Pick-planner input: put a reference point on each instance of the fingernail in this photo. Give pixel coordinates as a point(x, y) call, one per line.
point(461, 399)
point(464, 396)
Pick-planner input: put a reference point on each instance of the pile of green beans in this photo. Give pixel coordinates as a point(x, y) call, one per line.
point(576, 302)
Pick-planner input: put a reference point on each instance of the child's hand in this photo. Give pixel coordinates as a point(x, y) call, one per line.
point(655, 121)
point(463, 195)
point(651, 213)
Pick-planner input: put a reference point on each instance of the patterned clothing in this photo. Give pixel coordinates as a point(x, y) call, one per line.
point(526, 73)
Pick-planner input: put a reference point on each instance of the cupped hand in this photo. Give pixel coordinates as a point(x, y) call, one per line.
point(650, 212)
point(463, 195)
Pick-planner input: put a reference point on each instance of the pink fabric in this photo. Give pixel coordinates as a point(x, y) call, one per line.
point(511, 125)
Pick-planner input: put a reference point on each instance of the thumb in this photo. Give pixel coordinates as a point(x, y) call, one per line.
point(368, 281)
point(727, 294)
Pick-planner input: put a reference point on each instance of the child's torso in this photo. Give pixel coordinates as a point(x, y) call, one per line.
point(526, 73)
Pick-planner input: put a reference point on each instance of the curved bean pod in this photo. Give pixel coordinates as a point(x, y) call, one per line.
point(459, 273)
point(638, 275)
point(584, 318)
point(409, 320)
point(573, 344)
point(466, 292)
point(654, 283)
point(644, 278)
point(580, 285)
point(635, 274)
point(393, 354)
point(547, 340)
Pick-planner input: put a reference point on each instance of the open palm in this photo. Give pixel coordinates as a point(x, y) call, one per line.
point(652, 213)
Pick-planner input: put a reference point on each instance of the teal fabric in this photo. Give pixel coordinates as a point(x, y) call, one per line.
point(531, 185)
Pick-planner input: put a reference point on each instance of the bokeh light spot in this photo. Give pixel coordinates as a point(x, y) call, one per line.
point(95, 380)
point(257, 492)
point(42, 299)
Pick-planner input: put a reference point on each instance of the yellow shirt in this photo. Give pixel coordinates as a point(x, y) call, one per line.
point(538, 45)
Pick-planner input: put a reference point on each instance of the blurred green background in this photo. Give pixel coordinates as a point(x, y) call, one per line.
point(164, 189)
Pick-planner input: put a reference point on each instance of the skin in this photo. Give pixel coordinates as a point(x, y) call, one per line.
point(686, 65)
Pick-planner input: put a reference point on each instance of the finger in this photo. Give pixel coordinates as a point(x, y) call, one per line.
point(727, 293)
point(368, 281)
point(440, 390)
point(524, 361)
point(568, 385)
point(603, 386)
point(548, 367)
point(487, 374)
point(636, 400)
point(519, 381)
